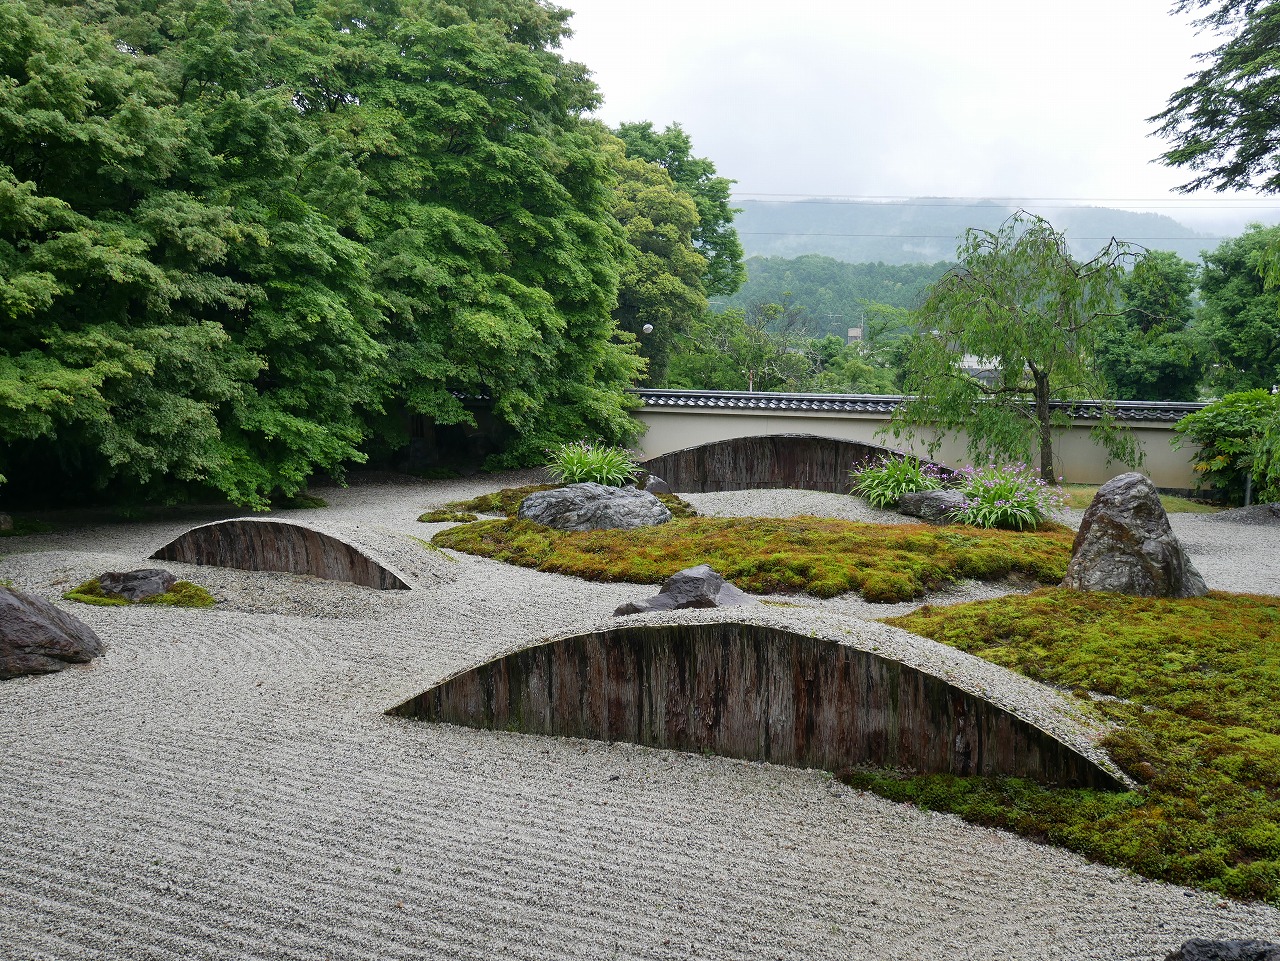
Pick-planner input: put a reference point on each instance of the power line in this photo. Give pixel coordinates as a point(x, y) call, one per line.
point(788, 233)
point(1153, 203)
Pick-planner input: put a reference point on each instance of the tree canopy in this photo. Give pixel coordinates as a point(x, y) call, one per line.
point(239, 239)
point(1010, 329)
point(1223, 124)
point(714, 234)
point(1241, 313)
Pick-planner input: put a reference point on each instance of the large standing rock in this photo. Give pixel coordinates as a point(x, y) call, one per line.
point(1125, 544)
point(592, 507)
point(692, 587)
point(37, 638)
point(936, 507)
point(6, 522)
point(1202, 949)
point(137, 585)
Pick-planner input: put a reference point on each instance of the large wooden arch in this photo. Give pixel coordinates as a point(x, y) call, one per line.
point(767, 461)
point(756, 692)
point(267, 545)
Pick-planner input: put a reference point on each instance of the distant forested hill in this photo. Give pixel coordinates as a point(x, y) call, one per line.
point(830, 294)
point(926, 230)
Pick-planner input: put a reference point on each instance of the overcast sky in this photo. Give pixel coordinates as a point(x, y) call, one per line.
point(1021, 99)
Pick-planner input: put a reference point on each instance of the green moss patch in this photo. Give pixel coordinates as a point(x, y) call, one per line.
point(446, 516)
point(506, 502)
point(1195, 686)
point(182, 594)
point(819, 556)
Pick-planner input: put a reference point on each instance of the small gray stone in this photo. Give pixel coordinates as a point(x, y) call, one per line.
point(137, 585)
point(1203, 949)
point(1125, 545)
point(38, 638)
point(937, 507)
point(656, 485)
point(591, 507)
point(692, 587)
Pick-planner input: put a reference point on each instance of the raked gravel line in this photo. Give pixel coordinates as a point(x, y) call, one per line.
point(224, 784)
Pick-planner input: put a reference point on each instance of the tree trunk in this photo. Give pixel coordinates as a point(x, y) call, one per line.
point(1042, 422)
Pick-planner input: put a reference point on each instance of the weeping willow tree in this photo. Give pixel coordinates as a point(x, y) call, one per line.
point(1013, 327)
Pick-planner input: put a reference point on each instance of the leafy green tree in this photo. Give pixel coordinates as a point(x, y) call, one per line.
point(1241, 313)
point(1223, 124)
point(1152, 351)
point(1022, 307)
point(660, 291)
point(736, 350)
point(714, 235)
point(1235, 437)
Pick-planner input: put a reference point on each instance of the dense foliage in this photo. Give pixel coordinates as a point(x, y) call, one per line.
point(1241, 313)
point(1193, 686)
point(1020, 306)
point(1222, 125)
point(1236, 438)
point(240, 239)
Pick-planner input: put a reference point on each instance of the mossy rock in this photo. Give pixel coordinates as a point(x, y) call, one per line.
point(182, 594)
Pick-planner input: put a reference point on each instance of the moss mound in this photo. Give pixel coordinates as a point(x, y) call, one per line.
point(1194, 684)
point(447, 516)
point(182, 594)
point(506, 502)
point(820, 556)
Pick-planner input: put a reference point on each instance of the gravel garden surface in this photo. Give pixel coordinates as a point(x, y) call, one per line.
point(224, 783)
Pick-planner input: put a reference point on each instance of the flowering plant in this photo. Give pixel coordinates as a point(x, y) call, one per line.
point(585, 461)
point(882, 483)
point(1009, 497)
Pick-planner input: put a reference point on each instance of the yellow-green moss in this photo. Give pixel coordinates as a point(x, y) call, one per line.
point(1196, 688)
point(820, 556)
point(506, 502)
point(182, 594)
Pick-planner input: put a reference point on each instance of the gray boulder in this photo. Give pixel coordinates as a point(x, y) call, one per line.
point(593, 507)
point(1203, 949)
point(656, 485)
point(1125, 544)
point(692, 587)
point(6, 522)
point(937, 507)
point(134, 586)
point(37, 638)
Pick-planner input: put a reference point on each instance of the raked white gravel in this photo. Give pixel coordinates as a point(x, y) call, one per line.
point(224, 784)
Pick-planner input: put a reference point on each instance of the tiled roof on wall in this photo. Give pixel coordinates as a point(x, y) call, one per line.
point(691, 400)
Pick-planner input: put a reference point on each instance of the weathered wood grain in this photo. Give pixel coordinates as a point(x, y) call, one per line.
point(774, 460)
point(754, 692)
point(254, 545)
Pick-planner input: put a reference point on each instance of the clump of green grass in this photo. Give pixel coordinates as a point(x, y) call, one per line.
point(506, 502)
point(182, 594)
point(819, 556)
point(1198, 683)
point(584, 461)
point(444, 515)
point(1080, 496)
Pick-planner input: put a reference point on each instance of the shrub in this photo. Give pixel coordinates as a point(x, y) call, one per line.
point(1010, 497)
point(1237, 436)
point(883, 483)
point(583, 461)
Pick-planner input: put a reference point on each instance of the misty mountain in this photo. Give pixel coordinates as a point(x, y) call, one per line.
point(927, 230)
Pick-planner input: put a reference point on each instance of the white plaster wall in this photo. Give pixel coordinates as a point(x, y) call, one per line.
point(1079, 459)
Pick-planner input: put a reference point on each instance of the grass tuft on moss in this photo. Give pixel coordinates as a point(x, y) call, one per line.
point(182, 594)
point(1194, 685)
point(820, 556)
